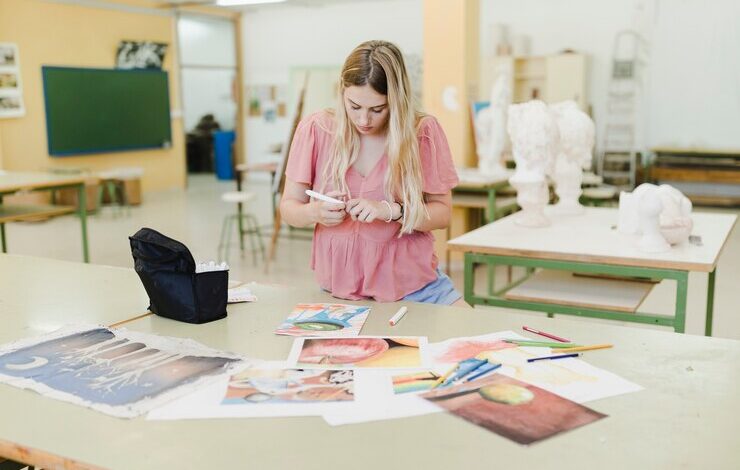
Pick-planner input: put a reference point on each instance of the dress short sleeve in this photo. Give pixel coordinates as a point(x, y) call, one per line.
point(437, 168)
point(303, 154)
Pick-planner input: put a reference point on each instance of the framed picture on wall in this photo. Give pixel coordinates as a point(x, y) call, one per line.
point(11, 90)
point(140, 55)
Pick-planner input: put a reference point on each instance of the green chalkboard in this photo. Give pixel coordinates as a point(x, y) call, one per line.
point(105, 110)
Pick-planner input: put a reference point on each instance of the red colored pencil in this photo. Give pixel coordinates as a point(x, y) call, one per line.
point(546, 335)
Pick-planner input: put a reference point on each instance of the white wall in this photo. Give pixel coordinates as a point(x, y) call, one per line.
point(693, 78)
point(278, 38)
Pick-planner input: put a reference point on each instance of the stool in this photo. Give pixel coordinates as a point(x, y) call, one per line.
point(252, 228)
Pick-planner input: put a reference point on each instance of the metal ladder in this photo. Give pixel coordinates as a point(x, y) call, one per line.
point(619, 156)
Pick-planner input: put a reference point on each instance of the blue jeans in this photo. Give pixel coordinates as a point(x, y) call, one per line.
point(440, 291)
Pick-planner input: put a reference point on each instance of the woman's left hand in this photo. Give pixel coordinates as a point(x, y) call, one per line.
point(366, 210)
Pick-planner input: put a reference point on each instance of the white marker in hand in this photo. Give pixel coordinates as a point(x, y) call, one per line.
point(321, 197)
point(397, 317)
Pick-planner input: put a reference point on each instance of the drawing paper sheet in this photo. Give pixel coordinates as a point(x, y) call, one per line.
point(376, 352)
point(376, 400)
point(266, 389)
point(325, 320)
point(572, 378)
point(239, 292)
point(118, 372)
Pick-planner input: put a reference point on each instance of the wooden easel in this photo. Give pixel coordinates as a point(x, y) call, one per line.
point(279, 182)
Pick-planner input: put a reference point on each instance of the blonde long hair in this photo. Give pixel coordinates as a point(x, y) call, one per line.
point(380, 64)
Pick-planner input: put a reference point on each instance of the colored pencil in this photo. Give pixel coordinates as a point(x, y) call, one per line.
point(545, 358)
point(483, 370)
point(541, 344)
point(546, 335)
point(586, 348)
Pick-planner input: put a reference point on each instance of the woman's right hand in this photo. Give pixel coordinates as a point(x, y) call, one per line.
point(329, 214)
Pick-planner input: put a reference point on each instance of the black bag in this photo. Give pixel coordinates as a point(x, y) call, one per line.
point(175, 290)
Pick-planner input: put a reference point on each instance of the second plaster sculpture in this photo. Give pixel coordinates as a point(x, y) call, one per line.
point(660, 214)
point(577, 132)
point(534, 140)
point(490, 126)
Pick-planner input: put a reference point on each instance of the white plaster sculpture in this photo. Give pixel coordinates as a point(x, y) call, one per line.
point(534, 137)
point(490, 126)
point(576, 130)
point(660, 214)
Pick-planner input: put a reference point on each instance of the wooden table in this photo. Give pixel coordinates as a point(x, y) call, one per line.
point(590, 244)
point(473, 184)
point(706, 176)
point(13, 182)
point(39, 295)
point(479, 191)
point(685, 417)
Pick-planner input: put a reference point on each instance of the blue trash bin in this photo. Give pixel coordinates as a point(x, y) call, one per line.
point(223, 144)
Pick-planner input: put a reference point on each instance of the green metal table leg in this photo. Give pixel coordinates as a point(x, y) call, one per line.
point(710, 303)
point(490, 217)
point(491, 212)
point(682, 287)
point(491, 273)
point(82, 212)
point(469, 277)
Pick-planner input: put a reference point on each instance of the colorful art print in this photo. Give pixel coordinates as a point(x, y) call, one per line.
point(8, 54)
point(416, 382)
point(360, 352)
point(458, 349)
point(324, 320)
point(119, 373)
point(511, 408)
point(300, 386)
point(9, 80)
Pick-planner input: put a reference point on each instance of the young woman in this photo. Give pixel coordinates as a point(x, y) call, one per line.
point(391, 166)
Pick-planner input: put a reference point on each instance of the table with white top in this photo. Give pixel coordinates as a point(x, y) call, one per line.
point(684, 418)
point(14, 182)
point(590, 246)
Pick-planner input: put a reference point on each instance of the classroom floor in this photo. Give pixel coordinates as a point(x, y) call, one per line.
point(195, 217)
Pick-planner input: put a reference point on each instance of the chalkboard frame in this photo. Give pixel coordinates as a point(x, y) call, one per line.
point(83, 150)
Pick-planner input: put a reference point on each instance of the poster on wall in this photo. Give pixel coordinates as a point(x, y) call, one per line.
point(140, 55)
point(267, 101)
point(11, 91)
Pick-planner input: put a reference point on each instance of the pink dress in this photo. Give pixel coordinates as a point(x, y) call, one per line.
point(356, 260)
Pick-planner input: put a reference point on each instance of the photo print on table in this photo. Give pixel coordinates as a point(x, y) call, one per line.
point(362, 352)
point(513, 409)
point(324, 320)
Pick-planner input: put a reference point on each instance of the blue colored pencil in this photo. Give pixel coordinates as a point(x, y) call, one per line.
point(561, 356)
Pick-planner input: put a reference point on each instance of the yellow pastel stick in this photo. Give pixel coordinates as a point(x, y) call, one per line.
point(583, 348)
point(444, 377)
